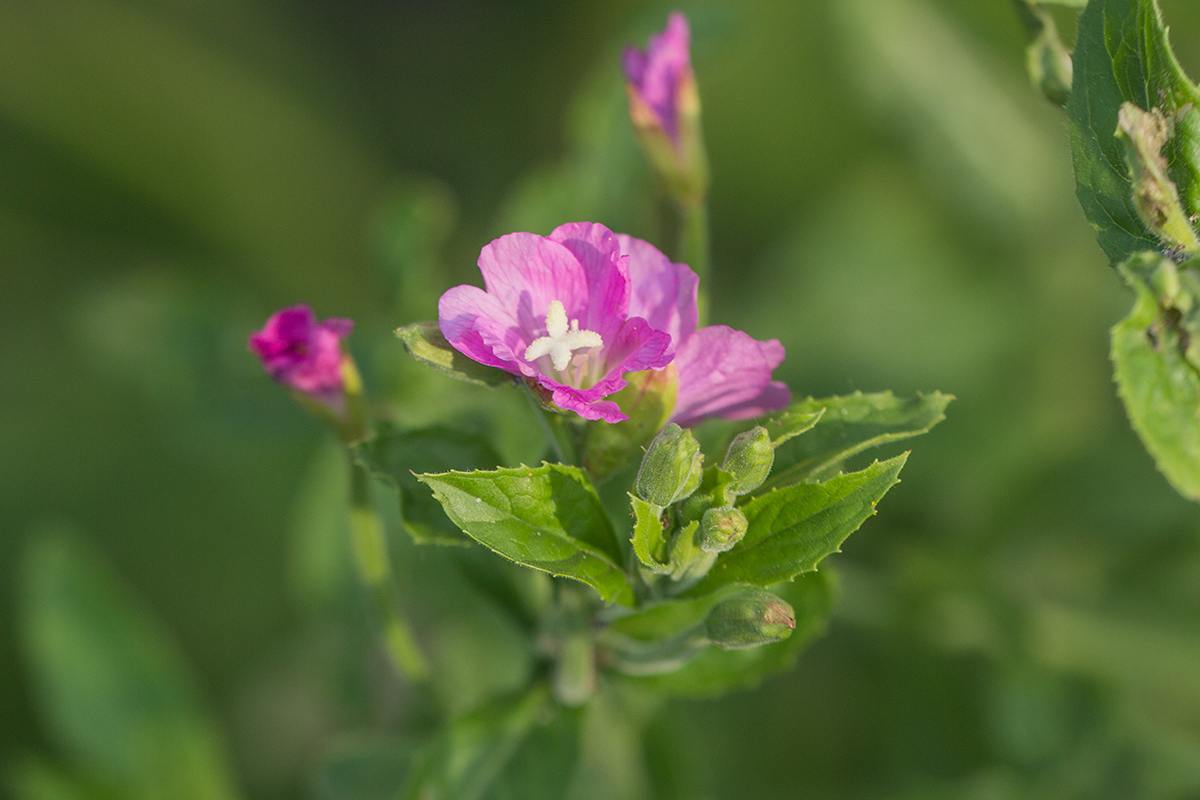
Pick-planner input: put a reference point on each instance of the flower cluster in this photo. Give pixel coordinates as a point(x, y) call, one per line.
point(579, 309)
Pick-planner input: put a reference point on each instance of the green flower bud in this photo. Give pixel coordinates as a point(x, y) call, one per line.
point(671, 469)
point(748, 620)
point(749, 459)
point(721, 529)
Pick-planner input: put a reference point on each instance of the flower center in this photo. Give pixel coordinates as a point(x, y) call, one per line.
point(561, 340)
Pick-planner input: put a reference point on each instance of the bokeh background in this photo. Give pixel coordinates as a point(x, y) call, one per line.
point(890, 199)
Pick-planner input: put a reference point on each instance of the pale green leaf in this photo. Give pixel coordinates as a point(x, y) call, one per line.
point(424, 342)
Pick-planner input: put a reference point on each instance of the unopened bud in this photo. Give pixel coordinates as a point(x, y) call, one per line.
point(671, 468)
point(721, 529)
point(750, 619)
point(749, 460)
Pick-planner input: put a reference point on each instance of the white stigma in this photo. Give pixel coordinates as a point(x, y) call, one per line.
point(562, 341)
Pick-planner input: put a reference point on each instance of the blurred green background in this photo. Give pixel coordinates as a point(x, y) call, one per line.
point(890, 199)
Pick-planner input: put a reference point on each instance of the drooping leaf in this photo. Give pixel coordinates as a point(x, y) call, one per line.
point(424, 342)
point(793, 528)
point(715, 671)
point(396, 454)
point(851, 424)
point(548, 518)
point(1122, 55)
point(115, 693)
point(1155, 365)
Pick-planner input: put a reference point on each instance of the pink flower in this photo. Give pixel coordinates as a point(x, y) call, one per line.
point(304, 354)
point(577, 310)
point(658, 76)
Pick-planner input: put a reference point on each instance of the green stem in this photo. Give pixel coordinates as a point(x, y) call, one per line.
point(693, 248)
point(369, 542)
point(557, 430)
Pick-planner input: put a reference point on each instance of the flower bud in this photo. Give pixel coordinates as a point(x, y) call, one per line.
point(748, 620)
point(664, 106)
point(671, 468)
point(721, 529)
point(749, 460)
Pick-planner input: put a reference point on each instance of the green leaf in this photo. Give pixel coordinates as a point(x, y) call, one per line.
point(787, 425)
point(395, 455)
point(715, 671)
point(649, 541)
point(1122, 55)
point(115, 693)
point(548, 518)
point(793, 528)
point(424, 342)
point(850, 425)
point(1156, 370)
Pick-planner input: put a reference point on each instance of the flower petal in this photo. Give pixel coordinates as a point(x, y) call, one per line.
point(477, 325)
point(662, 292)
point(525, 273)
point(606, 272)
point(727, 373)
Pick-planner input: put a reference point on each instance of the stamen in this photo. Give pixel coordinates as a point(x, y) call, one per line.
point(562, 340)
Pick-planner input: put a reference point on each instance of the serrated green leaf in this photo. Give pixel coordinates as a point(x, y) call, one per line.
point(548, 518)
point(793, 528)
point(850, 425)
point(1157, 381)
point(395, 455)
point(424, 342)
point(715, 671)
point(1122, 55)
point(114, 691)
point(649, 541)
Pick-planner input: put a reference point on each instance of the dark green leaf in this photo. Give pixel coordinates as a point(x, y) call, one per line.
point(1122, 55)
point(715, 671)
point(1156, 371)
point(793, 528)
point(850, 425)
point(546, 517)
point(113, 689)
point(395, 455)
point(424, 342)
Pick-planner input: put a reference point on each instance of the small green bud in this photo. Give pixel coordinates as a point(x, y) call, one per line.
point(748, 620)
point(721, 529)
point(671, 469)
point(749, 460)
